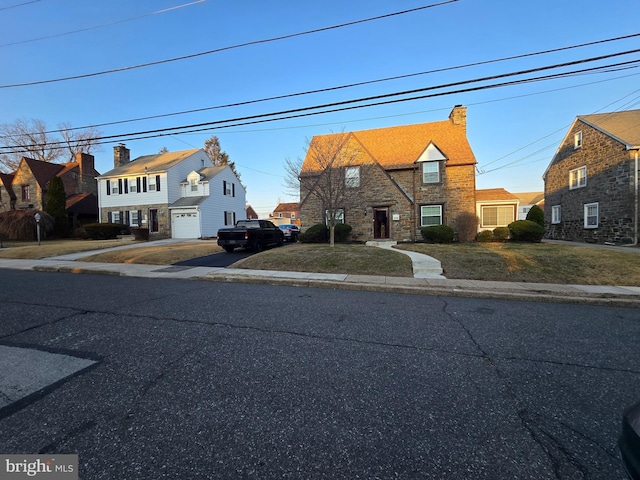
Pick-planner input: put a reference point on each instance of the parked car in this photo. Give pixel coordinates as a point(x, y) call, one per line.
point(250, 234)
point(290, 231)
point(629, 442)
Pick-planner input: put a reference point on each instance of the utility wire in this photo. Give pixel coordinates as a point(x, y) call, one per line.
point(19, 5)
point(351, 85)
point(222, 49)
point(56, 35)
point(348, 104)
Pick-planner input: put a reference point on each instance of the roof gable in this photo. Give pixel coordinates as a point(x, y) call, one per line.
point(494, 194)
point(41, 171)
point(287, 207)
point(622, 126)
point(402, 146)
point(431, 154)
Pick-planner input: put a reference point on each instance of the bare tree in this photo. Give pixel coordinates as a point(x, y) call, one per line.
point(330, 173)
point(30, 138)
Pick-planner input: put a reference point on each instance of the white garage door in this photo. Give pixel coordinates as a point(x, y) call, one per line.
point(185, 225)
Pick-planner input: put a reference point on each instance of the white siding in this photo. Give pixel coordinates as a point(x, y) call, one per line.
point(132, 199)
point(179, 172)
point(216, 204)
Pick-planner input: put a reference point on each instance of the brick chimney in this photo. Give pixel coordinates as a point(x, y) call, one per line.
point(87, 176)
point(121, 155)
point(458, 116)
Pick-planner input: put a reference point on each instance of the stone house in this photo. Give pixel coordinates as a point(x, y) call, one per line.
point(28, 186)
point(286, 213)
point(591, 184)
point(173, 194)
point(403, 178)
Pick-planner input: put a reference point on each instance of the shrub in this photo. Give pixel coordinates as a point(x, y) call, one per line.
point(437, 234)
point(526, 231)
point(318, 233)
point(21, 224)
point(484, 236)
point(500, 234)
point(536, 215)
point(341, 232)
point(104, 231)
point(140, 233)
point(466, 226)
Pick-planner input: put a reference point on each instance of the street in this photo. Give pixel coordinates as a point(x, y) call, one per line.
point(196, 380)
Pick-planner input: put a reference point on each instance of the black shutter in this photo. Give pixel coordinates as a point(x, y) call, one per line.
point(225, 218)
point(109, 217)
point(233, 189)
point(139, 218)
point(138, 184)
point(157, 183)
point(119, 186)
point(224, 187)
point(126, 185)
point(144, 184)
point(109, 188)
point(234, 218)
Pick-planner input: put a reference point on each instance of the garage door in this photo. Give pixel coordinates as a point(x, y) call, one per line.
point(185, 225)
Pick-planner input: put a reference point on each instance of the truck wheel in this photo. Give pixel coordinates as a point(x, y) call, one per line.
point(229, 249)
point(257, 247)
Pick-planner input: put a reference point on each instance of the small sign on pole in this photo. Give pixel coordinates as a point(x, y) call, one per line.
point(37, 216)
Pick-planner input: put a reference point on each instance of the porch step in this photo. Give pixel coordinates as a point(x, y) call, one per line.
point(381, 243)
point(126, 238)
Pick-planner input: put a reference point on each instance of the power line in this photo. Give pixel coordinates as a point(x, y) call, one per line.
point(80, 30)
point(351, 85)
point(222, 49)
point(377, 100)
point(19, 5)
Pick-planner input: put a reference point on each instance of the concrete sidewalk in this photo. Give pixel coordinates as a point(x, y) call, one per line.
point(427, 279)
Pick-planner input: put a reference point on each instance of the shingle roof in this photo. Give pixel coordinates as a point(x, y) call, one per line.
point(401, 146)
point(287, 207)
point(494, 194)
point(42, 171)
point(154, 163)
point(529, 198)
point(187, 202)
point(625, 126)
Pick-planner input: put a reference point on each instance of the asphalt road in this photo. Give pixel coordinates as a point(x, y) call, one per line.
point(199, 380)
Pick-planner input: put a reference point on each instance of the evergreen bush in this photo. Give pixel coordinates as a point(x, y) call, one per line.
point(500, 234)
point(318, 233)
point(526, 231)
point(341, 232)
point(437, 234)
point(104, 231)
point(536, 215)
point(484, 236)
point(56, 206)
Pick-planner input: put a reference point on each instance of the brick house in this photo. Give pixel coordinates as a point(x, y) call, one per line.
point(27, 187)
point(173, 194)
point(251, 213)
point(404, 178)
point(591, 184)
point(286, 213)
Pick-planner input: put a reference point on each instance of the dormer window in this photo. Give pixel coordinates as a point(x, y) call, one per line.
point(194, 185)
point(577, 140)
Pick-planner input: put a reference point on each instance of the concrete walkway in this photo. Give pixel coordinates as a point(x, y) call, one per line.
point(428, 279)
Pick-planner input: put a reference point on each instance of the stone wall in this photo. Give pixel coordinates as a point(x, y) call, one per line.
point(610, 183)
point(164, 216)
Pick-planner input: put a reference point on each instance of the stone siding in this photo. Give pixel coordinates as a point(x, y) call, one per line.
point(164, 216)
point(609, 182)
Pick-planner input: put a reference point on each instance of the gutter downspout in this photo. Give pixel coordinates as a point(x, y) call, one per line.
point(635, 223)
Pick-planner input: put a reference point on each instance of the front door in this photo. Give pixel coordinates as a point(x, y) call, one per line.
point(153, 220)
point(381, 223)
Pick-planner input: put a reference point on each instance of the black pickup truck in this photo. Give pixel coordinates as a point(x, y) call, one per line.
point(250, 234)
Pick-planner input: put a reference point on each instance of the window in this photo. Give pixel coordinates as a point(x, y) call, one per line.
point(430, 172)
point(339, 216)
point(577, 140)
point(578, 178)
point(430, 215)
point(134, 218)
point(293, 215)
point(555, 214)
point(591, 215)
point(26, 194)
point(133, 186)
point(497, 216)
point(229, 218)
point(228, 188)
point(115, 217)
point(352, 177)
point(194, 185)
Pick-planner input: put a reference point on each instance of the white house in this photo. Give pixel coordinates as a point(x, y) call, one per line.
point(177, 194)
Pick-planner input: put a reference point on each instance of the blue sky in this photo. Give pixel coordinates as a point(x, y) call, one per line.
point(513, 130)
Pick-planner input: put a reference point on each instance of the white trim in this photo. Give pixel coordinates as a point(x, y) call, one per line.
point(591, 224)
point(556, 214)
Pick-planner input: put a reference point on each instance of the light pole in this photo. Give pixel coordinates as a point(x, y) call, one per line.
point(37, 216)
